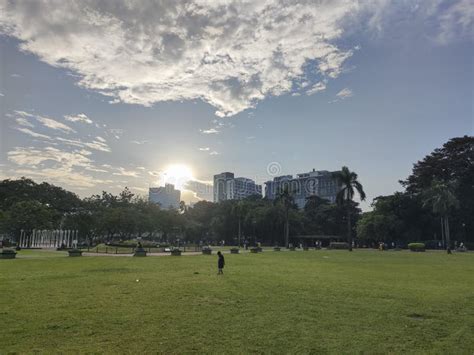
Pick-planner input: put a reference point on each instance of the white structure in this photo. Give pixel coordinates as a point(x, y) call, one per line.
point(226, 187)
point(48, 238)
point(314, 183)
point(166, 196)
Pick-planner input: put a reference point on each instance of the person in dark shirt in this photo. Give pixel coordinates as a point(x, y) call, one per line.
point(220, 263)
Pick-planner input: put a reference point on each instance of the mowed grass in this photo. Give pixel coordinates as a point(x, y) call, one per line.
point(273, 302)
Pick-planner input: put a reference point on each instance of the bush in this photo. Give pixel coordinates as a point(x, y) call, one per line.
point(254, 250)
point(74, 252)
point(234, 250)
point(140, 252)
point(132, 244)
point(416, 246)
point(469, 245)
point(7, 254)
point(175, 252)
point(338, 245)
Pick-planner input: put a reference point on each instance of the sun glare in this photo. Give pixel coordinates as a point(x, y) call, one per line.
point(178, 175)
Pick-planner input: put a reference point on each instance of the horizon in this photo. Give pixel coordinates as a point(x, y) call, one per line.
point(90, 101)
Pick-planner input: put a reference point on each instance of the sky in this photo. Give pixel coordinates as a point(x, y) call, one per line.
point(99, 95)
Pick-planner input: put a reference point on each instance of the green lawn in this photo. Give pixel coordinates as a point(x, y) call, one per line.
point(287, 302)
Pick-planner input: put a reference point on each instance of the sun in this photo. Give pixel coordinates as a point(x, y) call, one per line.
point(178, 175)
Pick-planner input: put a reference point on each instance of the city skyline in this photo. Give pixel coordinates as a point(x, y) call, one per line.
point(90, 102)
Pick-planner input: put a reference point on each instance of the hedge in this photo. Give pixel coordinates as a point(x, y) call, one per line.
point(338, 245)
point(416, 246)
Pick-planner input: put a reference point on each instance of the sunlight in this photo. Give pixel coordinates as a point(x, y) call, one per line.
point(178, 175)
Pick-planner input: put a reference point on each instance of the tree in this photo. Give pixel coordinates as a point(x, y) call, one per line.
point(285, 198)
point(453, 162)
point(29, 215)
point(350, 185)
point(441, 198)
point(13, 191)
point(240, 210)
point(398, 218)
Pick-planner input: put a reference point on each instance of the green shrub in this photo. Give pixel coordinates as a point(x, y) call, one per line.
point(140, 252)
point(207, 251)
point(7, 254)
point(416, 246)
point(176, 252)
point(338, 245)
point(469, 245)
point(132, 244)
point(74, 252)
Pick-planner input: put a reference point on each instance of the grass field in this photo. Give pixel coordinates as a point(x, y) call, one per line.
point(287, 302)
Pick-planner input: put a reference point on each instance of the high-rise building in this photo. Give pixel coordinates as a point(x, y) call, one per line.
point(166, 196)
point(227, 187)
point(314, 183)
point(221, 186)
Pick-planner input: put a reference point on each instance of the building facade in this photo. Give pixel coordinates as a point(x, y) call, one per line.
point(166, 196)
point(314, 183)
point(228, 187)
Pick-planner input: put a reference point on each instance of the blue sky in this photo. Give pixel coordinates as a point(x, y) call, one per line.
point(98, 96)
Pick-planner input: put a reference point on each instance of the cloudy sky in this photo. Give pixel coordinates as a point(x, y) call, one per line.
point(99, 95)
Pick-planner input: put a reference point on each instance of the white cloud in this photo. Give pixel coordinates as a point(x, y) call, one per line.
point(344, 93)
point(230, 54)
point(33, 134)
point(100, 139)
point(22, 121)
point(53, 124)
point(214, 153)
point(209, 131)
point(320, 86)
point(56, 165)
point(202, 190)
point(125, 172)
point(2, 94)
point(78, 118)
point(456, 21)
point(139, 142)
point(116, 132)
point(204, 149)
point(96, 145)
point(34, 156)
point(139, 189)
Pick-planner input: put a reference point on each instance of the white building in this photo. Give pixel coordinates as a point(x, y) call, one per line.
point(166, 196)
point(314, 183)
point(227, 187)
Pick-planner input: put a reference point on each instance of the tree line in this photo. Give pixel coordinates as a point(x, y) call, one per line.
point(437, 204)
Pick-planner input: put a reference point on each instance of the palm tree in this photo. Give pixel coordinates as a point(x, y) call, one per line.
point(441, 198)
point(286, 198)
point(350, 185)
point(239, 210)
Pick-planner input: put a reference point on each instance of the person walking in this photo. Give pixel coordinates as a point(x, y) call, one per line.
point(220, 263)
